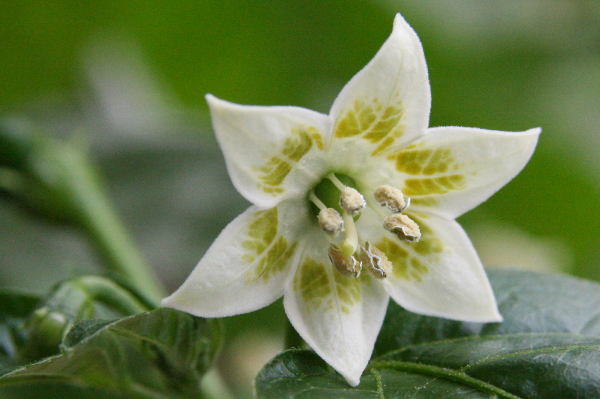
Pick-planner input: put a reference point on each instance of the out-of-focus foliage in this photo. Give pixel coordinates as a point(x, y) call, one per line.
point(131, 77)
point(159, 354)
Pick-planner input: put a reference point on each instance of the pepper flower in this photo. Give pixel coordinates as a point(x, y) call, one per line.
point(352, 208)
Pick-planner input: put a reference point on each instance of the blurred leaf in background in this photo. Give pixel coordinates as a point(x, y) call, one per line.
point(132, 77)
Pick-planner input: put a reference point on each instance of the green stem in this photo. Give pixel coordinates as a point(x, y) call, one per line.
point(99, 220)
point(57, 179)
point(107, 291)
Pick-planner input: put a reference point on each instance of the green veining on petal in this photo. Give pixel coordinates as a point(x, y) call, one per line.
point(348, 291)
point(275, 260)
point(424, 201)
point(433, 185)
point(378, 124)
point(429, 244)
point(424, 161)
point(411, 261)
point(270, 254)
point(316, 287)
point(273, 174)
point(277, 168)
point(312, 281)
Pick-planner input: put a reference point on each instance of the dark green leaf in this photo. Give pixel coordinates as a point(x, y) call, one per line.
point(531, 365)
point(163, 353)
point(547, 347)
point(515, 366)
point(528, 301)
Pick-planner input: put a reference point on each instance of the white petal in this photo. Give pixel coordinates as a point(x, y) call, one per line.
point(441, 275)
point(246, 267)
point(386, 105)
point(339, 317)
point(271, 152)
point(453, 169)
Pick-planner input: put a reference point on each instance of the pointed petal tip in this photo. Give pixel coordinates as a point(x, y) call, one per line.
point(165, 302)
point(535, 130)
point(399, 19)
point(214, 102)
point(171, 302)
point(486, 316)
point(400, 25)
point(352, 381)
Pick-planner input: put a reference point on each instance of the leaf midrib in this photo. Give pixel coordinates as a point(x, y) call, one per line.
point(459, 375)
point(444, 373)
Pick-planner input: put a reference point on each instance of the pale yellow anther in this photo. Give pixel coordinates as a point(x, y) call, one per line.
point(346, 265)
point(392, 198)
point(403, 226)
point(331, 221)
point(375, 261)
point(352, 201)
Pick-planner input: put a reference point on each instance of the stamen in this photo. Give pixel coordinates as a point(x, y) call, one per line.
point(346, 265)
point(315, 200)
point(403, 226)
point(350, 243)
point(331, 176)
point(352, 201)
point(331, 221)
point(375, 260)
point(392, 198)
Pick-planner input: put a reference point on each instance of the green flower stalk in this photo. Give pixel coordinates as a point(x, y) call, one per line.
point(56, 179)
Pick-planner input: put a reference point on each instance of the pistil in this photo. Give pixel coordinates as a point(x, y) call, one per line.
point(350, 243)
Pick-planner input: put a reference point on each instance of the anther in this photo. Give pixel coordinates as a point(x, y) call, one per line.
point(331, 221)
point(352, 201)
point(346, 265)
point(375, 261)
point(403, 226)
point(392, 198)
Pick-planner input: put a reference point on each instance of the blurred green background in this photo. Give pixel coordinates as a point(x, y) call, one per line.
point(131, 76)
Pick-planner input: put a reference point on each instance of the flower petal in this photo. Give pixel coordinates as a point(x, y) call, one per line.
point(270, 151)
point(246, 267)
point(441, 275)
point(387, 104)
point(453, 169)
point(339, 317)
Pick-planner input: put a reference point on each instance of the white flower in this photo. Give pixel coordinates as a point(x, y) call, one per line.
point(290, 162)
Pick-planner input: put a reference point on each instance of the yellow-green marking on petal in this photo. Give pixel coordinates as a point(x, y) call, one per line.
point(314, 283)
point(410, 261)
point(424, 201)
point(296, 146)
point(348, 291)
point(424, 161)
point(429, 243)
point(272, 254)
point(275, 260)
point(433, 185)
point(376, 122)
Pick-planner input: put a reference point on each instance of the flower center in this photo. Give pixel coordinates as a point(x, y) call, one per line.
point(337, 204)
point(329, 194)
